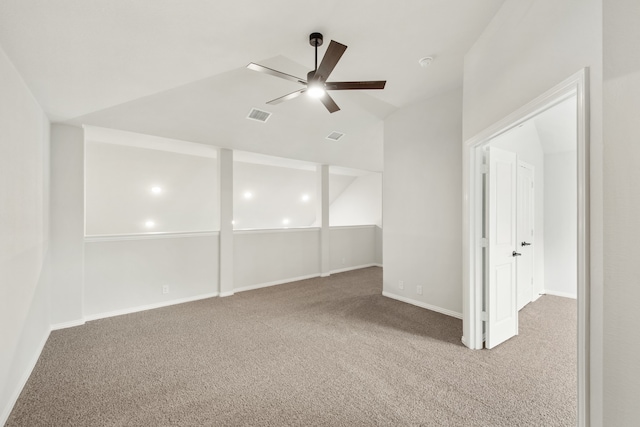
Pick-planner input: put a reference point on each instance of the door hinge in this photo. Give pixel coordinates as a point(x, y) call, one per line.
point(484, 169)
point(484, 242)
point(483, 316)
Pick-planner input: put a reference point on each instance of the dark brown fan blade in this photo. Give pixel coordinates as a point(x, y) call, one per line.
point(379, 84)
point(276, 73)
point(331, 57)
point(287, 97)
point(329, 103)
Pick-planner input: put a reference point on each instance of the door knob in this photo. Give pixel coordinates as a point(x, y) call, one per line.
point(525, 244)
point(516, 253)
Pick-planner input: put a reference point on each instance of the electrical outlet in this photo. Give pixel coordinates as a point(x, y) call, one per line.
point(401, 284)
point(344, 260)
point(165, 289)
point(419, 289)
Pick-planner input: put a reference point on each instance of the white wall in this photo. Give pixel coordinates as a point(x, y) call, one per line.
point(276, 194)
point(110, 275)
point(119, 179)
point(621, 212)
point(128, 275)
point(277, 189)
point(360, 203)
point(530, 46)
point(561, 224)
point(524, 141)
point(422, 207)
point(24, 229)
point(67, 225)
point(269, 257)
point(352, 247)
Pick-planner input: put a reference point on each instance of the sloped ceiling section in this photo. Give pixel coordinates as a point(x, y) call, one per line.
point(214, 110)
point(177, 69)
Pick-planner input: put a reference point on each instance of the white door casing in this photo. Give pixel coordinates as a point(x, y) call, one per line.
point(525, 234)
point(473, 244)
point(501, 290)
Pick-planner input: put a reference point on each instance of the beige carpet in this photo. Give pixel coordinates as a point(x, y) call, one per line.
point(329, 352)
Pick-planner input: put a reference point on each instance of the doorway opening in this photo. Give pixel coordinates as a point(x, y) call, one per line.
point(477, 321)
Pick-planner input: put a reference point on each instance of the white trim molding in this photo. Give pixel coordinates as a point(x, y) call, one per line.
point(149, 236)
point(296, 279)
point(352, 227)
point(148, 307)
point(274, 230)
point(561, 294)
point(69, 324)
point(357, 267)
point(275, 283)
point(422, 305)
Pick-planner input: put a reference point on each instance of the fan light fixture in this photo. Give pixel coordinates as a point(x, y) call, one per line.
point(315, 91)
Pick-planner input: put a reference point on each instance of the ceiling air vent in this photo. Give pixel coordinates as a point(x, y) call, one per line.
point(258, 115)
point(334, 136)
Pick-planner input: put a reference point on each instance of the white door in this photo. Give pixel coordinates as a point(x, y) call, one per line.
point(525, 234)
point(500, 299)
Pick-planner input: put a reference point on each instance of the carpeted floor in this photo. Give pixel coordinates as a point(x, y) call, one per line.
point(320, 352)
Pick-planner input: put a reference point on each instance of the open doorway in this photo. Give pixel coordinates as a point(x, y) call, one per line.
point(477, 317)
point(530, 209)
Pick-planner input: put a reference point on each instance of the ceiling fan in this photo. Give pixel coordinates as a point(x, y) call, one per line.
point(316, 84)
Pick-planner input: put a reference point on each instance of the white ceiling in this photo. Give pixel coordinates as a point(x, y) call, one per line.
point(176, 68)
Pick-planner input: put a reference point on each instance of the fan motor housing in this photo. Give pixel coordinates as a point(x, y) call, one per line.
point(315, 39)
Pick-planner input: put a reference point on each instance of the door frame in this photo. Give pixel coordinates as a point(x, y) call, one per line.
point(472, 225)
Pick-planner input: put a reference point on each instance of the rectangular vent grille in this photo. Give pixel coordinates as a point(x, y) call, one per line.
point(258, 115)
point(334, 136)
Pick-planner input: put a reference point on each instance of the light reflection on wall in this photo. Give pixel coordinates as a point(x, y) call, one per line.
point(131, 190)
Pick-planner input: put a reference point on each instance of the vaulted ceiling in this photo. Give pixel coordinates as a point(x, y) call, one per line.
point(177, 68)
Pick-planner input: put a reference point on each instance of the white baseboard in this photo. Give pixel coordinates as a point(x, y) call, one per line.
point(23, 381)
point(276, 282)
point(226, 294)
point(295, 279)
point(357, 267)
point(148, 307)
point(69, 324)
point(422, 305)
point(561, 294)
